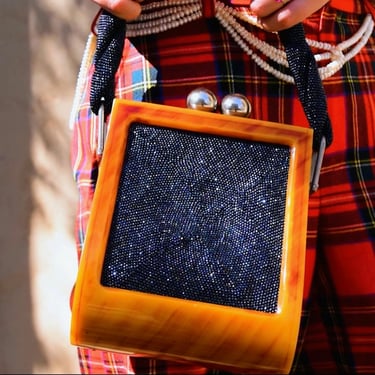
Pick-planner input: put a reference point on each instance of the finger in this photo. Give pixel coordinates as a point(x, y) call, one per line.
point(125, 9)
point(291, 13)
point(264, 8)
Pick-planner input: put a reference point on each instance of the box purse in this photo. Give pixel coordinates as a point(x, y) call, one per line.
point(195, 246)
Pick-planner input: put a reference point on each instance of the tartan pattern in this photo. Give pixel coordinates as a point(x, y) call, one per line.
point(337, 333)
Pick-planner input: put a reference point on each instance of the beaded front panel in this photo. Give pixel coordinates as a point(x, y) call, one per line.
point(199, 217)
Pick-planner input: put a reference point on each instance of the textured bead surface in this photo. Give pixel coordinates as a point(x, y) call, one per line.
point(199, 217)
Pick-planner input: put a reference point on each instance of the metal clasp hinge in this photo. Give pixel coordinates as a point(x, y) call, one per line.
point(101, 130)
point(316, 165)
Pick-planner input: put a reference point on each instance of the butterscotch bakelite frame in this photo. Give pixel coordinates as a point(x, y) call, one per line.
point(213, 335)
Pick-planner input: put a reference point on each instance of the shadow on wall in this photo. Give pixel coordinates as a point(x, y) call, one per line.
point(15, 194)
point(41, 42)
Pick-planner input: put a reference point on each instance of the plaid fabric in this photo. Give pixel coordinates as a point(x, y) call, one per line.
point(337, 333)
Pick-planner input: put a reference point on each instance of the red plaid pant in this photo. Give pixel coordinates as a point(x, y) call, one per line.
point(337, 334)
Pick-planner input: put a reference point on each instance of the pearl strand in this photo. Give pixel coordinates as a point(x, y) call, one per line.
point(164, 15)
point(167, 3)
point(335, 53)
point(87, 58)
point(226, 16)
point(241, 38)
point(164, 20)
point(338, 58)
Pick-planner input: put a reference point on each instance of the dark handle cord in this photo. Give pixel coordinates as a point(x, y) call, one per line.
point(111, 34)
point(310, 89)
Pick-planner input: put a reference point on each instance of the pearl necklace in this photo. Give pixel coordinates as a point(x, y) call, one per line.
point(164, 15)
point(171, 14)
point(335, 54)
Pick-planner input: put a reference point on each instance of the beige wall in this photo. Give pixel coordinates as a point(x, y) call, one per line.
point(41, 43)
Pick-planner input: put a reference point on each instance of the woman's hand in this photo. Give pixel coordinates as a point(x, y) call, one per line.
point(125, 9)
point(276, 15)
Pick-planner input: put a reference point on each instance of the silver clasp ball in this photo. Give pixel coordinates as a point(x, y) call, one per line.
point(236, 105)
point(202, 99)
